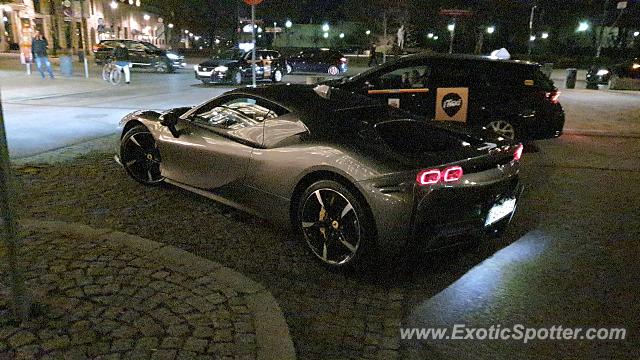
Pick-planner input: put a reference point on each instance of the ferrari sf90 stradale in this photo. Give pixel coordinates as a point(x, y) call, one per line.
point(350, 174)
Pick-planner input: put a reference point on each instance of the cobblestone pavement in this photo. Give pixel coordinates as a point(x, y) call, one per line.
point(331, 315)
point(109, 295)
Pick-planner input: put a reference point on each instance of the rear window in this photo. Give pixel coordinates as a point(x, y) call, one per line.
point(414, 137)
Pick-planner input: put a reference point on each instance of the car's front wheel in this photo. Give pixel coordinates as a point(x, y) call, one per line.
point(277, 76)
point(163, 66)
point(334, 223)
point(333, 70)
point(140, 156)
point(503, 128)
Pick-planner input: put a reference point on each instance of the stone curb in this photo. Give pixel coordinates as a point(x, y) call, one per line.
point(272, 332)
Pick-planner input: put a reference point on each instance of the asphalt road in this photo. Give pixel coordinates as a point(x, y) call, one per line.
point(570, 258)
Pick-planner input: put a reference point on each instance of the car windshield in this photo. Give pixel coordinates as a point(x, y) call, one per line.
point(231, 54)
point(150, 46)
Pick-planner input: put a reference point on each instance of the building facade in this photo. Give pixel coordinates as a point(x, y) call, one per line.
point(74, 25)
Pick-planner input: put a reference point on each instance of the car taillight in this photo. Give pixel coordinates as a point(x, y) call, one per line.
point(453, 173)
point(553, 96)
point(434, 176)
point(518, 153)
point(428, 177)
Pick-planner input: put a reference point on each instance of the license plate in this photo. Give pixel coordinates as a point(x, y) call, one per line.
point(500, 211)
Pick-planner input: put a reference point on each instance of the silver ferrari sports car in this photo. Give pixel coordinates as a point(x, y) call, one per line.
point(356, 178)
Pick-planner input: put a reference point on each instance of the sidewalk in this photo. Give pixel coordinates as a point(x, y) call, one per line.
point(106, 294)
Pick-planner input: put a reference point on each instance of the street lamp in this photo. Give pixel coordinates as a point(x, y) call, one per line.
point(325, 35)
point(584, 26)
point(435, 37)
point(186, 31)
point(532, 38)
point(113, 5)
point(170, 25)
point(491, 29)
point(288, 24)
point(545, 35)
point(430, 35)
point(341, 35)
point(636, 34)
point(451, 27)
point(146, 17)
point(368, 32)
point(325, 27)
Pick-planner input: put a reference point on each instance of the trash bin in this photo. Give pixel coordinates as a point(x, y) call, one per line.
point(66, 65)
point(572, 75)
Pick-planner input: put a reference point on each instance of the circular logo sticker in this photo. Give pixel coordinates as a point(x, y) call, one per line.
point(451, 104)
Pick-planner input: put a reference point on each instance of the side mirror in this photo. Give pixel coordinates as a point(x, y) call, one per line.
point(170, 120)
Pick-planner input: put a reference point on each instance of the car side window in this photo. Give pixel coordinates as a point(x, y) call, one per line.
point(404, 78)
point(135, 46)
point(462, 75)
point(235, 114)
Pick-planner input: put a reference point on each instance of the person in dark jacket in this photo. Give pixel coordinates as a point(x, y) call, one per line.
point(121, 55)
point(373, 59)
point(39, 50)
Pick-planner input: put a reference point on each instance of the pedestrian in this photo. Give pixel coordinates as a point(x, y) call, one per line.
point(373, 60)
point(121, 55)
point(39, 50)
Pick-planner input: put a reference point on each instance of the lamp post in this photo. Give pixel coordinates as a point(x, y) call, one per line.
point(452, 31)
point(530, 44)
point(8, 230)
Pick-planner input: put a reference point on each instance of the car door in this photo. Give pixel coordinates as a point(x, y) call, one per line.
point(215, 142)
point(407, 86)
point(137, 53)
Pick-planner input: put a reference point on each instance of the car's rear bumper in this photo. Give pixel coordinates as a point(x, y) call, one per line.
point(546, 126)
point(434, 216)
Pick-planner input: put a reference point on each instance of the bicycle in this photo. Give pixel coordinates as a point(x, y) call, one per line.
point(112, 73)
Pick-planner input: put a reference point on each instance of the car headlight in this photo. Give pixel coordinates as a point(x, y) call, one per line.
point(221, 68)
point(173, 56)
point(602, 72)
point(635, 66)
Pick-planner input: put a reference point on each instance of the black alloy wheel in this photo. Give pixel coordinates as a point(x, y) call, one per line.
point(140, 156)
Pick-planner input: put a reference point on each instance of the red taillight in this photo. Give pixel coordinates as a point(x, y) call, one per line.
point(553, 96)
point(453, 173)
point(428, 177)
point(434, 176)
point(518, 153)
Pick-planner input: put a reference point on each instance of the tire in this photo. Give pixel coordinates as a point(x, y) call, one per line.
point(106, 72)
point(115, 76)
point(277, 76)
point(333, 70)
point(140, 156)
point(334, 223)
point(289, 69)
point(503, 128)
point(164, 67)
point(236, 79)
point(206, 82)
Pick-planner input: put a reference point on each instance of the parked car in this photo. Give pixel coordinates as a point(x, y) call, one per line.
point(325, 61)
point(350, 174)
point(514, 99)
point(602, 75)
point(142, 54)
point(234, 66)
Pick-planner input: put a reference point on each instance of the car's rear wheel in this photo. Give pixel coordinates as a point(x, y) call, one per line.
point(503, 128)
point(140, 156)
point(334, 223)
point(333, 70)
point(289, 69)
point(277, 76)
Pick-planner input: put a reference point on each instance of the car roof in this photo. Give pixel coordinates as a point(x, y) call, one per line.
point(316, 110)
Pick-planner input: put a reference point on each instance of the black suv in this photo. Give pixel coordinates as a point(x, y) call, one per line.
point(234, 66)
point(141, 54)
point(514, 99)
